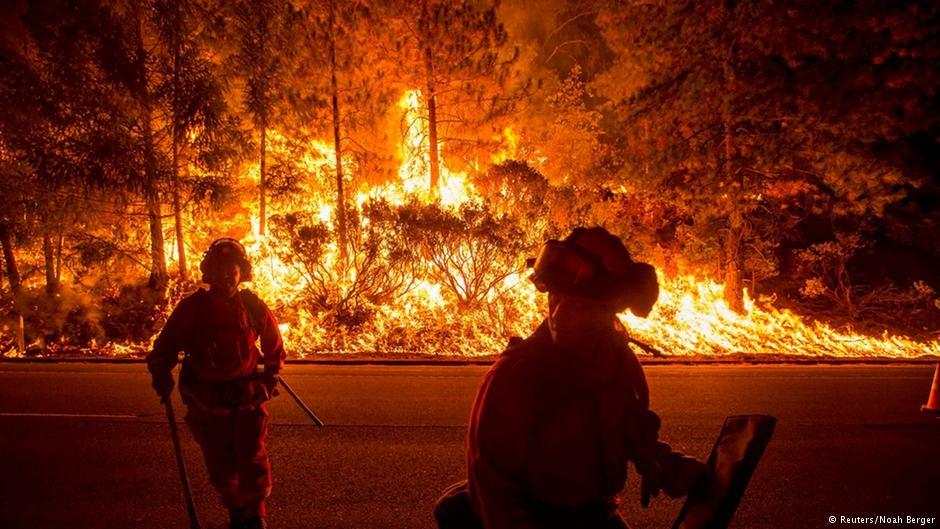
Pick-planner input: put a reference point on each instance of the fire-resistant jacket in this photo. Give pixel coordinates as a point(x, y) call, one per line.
point(218, 335)
point(554, 429)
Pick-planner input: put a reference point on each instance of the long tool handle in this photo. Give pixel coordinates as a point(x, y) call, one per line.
point(646, 347)
point(313, 416)
point(187, 492)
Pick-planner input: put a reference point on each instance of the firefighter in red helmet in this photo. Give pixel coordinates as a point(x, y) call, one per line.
point(217, 330)
point(560, 414)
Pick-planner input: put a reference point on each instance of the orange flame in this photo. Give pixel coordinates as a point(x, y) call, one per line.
point(690, 319)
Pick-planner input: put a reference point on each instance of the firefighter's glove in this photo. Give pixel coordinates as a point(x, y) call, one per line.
point(681, 474)
point(650, 477)
point(163, 385)
point(270, 379)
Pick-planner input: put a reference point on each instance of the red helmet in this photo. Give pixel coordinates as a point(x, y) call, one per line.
point(593, 263)
point(224, 250)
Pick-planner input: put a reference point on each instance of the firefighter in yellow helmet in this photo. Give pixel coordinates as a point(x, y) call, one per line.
point(560, 414)
point(217, 330)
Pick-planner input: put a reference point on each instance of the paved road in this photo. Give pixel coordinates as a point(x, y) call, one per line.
point(87, 445)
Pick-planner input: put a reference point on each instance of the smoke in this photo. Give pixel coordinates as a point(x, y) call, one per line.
point(554, 36)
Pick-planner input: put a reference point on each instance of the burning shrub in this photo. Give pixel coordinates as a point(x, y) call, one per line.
point(541, 210)
point(827, 263)
point(133, 314)
point(100, 265)
point(832, 281)
point(470, 252)
point(64, 322)
point(520, 191)
point(376, 267)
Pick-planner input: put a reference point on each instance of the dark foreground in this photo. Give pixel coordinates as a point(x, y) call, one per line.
point(87, 445)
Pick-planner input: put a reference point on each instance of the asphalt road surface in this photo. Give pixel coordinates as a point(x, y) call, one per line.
point(88, 446)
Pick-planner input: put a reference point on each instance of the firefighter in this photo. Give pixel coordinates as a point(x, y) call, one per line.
point(216, 329)
point(561, 413)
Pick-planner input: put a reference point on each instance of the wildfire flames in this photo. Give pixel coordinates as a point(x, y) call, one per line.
point(690, 319)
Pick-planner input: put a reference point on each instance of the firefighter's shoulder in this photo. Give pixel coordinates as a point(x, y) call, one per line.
point(188, 307)
point(248, 296)
point(194, 298)
point(514, 346)
point(515, 370)
point(520, 352)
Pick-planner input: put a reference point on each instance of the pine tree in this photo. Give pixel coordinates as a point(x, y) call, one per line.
point(458, 55)
point(262, 29)
point(50, 104)
point(151, 53)
point(340, 60)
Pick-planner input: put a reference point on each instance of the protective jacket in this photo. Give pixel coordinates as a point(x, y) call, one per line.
point(218, 336)
point(552, 431)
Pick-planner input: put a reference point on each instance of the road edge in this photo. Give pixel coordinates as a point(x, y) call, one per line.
point(485, 361)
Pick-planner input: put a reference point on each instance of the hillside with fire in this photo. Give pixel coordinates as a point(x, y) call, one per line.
point(390, 166)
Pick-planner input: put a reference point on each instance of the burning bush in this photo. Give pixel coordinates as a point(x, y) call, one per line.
point(541, 210)
point(469, 251)
point(404, 269)
point(376, 267)
point(62, 322)
point(831, 282)
point(133, 314)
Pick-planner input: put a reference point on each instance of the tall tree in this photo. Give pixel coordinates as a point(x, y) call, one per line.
point(728, 110)
point(151, 56)
point(457, 54)
point(137, 76)
point(191, 93)
point(262, 30)
point(48, 97)
point(341, 60)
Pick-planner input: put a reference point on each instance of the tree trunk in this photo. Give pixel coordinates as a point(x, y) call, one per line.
point(178, 218)
point(337, 139)
point(158, 272)
point(58, 257)
point(732, 254)
point(263, 118)
point(431, 97)
point(732, 266)
point(263, 183)
point(13, 274)
point(48, 254)
point(177, 132)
